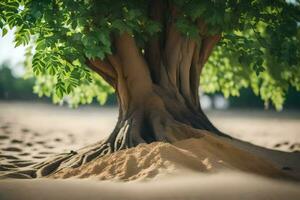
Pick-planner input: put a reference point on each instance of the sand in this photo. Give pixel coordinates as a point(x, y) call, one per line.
point(158, 159)
point(188, 169)
point(226, 185)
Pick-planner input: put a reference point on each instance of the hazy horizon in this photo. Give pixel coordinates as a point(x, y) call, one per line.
point(14, 56)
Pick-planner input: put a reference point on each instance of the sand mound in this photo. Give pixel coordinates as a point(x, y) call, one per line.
point(207, 154)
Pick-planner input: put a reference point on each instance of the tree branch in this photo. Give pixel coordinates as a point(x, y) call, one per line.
point(104, 66)
point(208, 43)
point(172, 53)
point(201, 55)
point(104, 69)
point(187, 51)
point(153, 49)
point(134, 66)
point(195, 76)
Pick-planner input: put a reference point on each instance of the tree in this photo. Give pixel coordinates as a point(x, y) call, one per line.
point(12, 87)
point(151, 53)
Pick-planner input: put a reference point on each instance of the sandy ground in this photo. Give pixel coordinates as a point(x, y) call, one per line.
point(29, 133)
point(231, 186)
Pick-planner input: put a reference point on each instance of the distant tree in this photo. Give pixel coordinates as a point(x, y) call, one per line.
point(151, 53)
point(12, 87)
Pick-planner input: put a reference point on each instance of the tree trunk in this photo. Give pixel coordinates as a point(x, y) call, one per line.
point(149, 109)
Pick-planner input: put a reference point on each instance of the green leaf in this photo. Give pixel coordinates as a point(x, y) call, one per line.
point(4, 32)
point(18, 43)
point(102, 97)
point(104, 39)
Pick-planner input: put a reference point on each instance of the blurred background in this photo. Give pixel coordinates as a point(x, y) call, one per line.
point(34, 127)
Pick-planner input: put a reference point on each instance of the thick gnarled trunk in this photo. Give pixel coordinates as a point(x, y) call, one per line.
point(151, 102)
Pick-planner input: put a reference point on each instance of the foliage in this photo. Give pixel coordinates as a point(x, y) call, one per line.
point(12, 87)
point(259, 48)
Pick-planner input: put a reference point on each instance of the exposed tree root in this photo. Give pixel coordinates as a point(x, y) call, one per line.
point(151, 123)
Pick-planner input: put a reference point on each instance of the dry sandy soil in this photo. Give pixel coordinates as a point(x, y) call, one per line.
point(190, 169)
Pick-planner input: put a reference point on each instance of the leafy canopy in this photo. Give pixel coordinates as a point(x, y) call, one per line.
point(260, 46)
